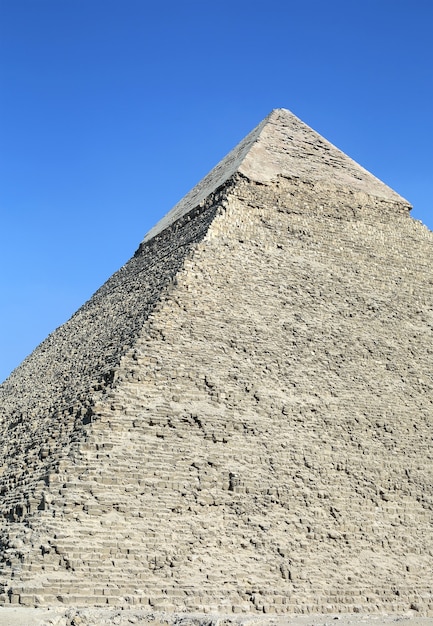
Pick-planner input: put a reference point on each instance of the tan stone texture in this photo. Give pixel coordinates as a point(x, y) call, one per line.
point(240, 419)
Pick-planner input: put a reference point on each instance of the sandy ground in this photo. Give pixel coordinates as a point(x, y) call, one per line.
point(23, 616)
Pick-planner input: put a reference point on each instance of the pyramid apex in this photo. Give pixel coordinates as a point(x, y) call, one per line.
point(282, 146)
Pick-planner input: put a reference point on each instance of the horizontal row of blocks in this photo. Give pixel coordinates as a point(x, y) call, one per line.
point(265, 605)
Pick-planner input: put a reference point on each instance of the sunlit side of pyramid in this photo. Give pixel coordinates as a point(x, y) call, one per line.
point(240, 419)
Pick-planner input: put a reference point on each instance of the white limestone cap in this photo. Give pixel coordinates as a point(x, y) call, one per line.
point(281, 145)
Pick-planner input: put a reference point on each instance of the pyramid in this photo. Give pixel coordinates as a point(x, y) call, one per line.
point(240, 419)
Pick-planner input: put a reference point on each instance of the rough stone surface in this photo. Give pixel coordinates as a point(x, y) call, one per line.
point(57, 616)
point(240, 419)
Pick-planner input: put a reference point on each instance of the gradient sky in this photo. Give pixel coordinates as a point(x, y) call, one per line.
point(111, 110)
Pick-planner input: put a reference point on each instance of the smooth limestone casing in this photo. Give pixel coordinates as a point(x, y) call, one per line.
point(246, 422)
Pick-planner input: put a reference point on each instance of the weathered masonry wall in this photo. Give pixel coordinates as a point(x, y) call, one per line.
point(264, 444)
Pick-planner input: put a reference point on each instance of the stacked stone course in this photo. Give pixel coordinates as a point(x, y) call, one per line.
point(240, 419)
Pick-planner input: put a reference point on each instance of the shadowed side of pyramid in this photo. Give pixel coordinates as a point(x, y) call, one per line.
point(48, 399)
point(240, 418)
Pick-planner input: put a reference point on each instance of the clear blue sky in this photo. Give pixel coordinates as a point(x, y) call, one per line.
point(111, 110)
